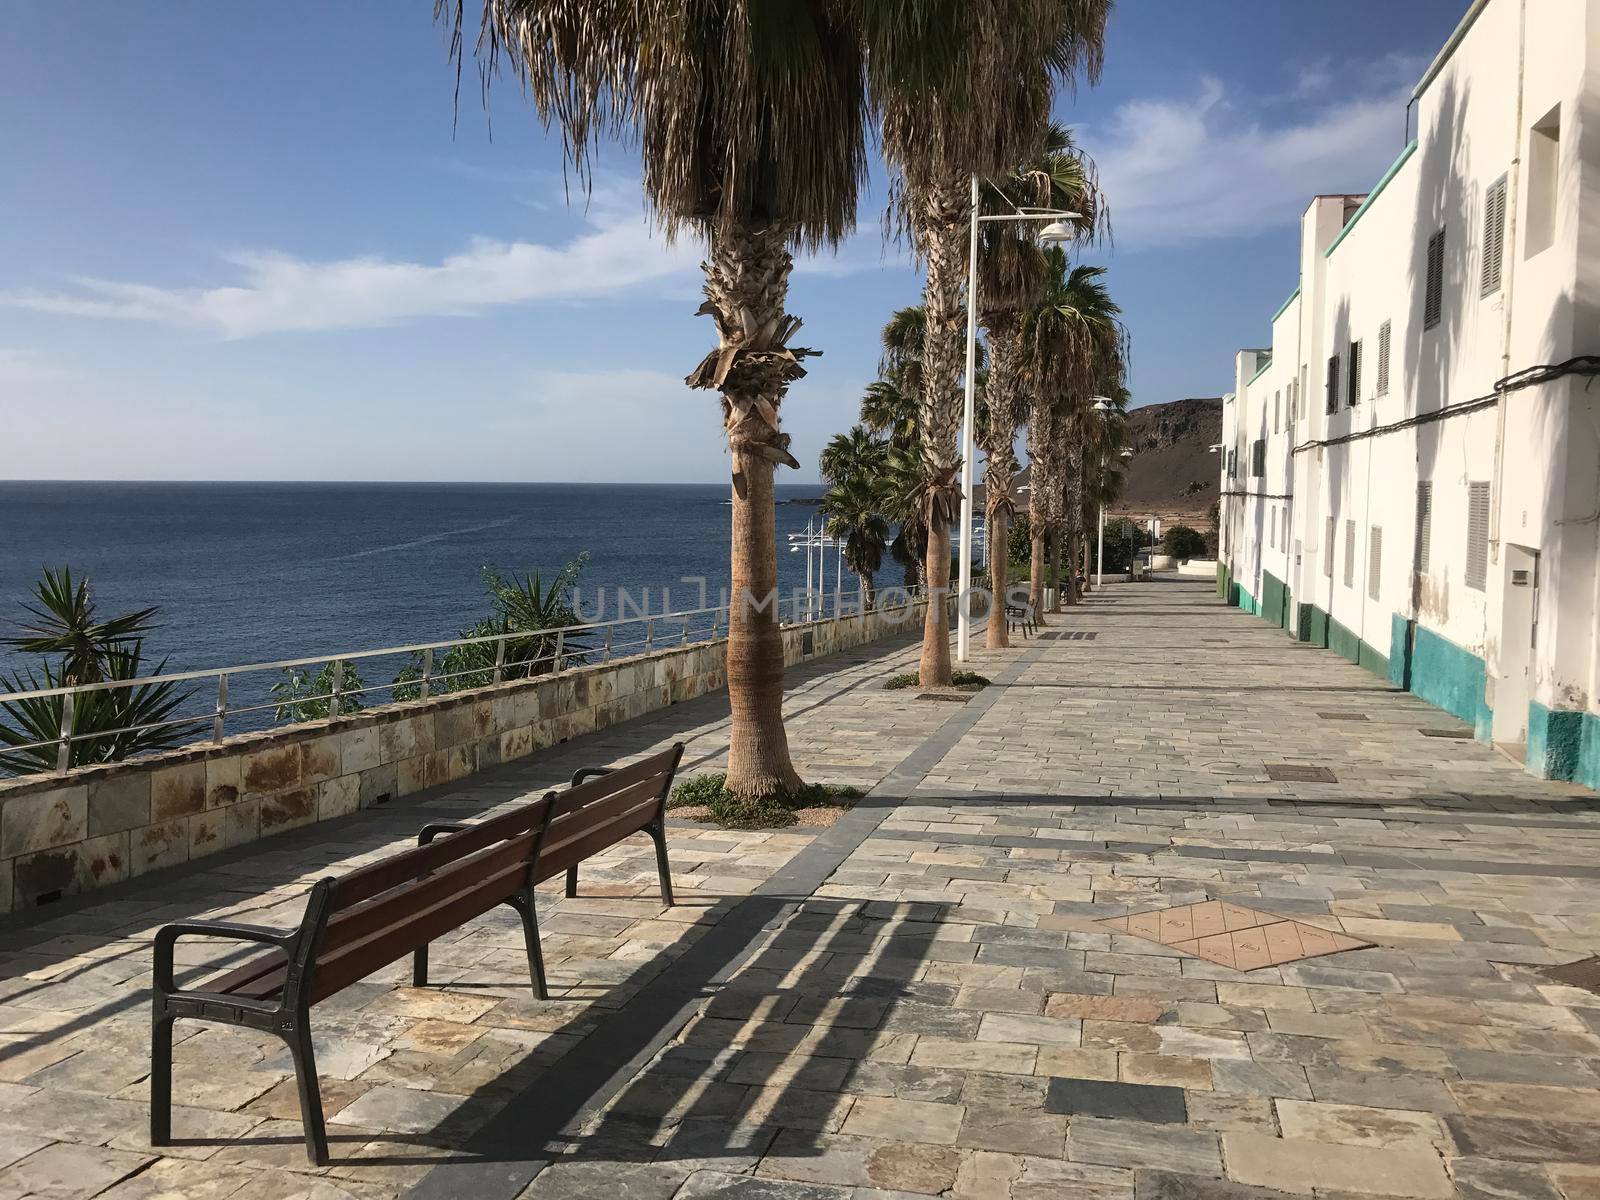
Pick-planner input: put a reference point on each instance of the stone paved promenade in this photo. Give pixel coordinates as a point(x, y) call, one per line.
point(926, 999)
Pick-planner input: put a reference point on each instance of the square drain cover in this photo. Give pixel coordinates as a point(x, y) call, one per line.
point(1447, 733)
point(1231, 935)
point(1300, 773)
point(1342, 716)
point(1585, 973)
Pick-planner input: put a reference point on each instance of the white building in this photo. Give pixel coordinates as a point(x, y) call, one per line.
point(1411, 470)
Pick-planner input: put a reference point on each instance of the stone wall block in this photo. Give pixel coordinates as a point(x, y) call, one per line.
point(460, 761)
point(406, 738)
point(516, 743)
point(118, 802)
point(319, 759)
point(44, 820)
point(208, 833)
point(358, 750)
point(242, 821)
point(177, 791)
point(556, 696)
point(222, 781)
point(487, 752)
point(274, 769)
point(421, 771)
point(338, 797)
point(288, 810)
point(8, 891)
point(379, 784)
point(165, 844)
point(461, 724)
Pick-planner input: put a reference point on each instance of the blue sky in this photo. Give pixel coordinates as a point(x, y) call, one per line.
point(245, 243)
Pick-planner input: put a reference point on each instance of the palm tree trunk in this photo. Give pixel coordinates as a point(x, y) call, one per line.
point(997, 637)
point(1073, 508)
point(747, 280)
point(942, 234)
point(1003, 394)
point(869, 592)
point(1036, 558)
point(1055, 568)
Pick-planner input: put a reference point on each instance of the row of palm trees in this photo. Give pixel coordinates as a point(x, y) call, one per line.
point(1046, 365)
point(752, 119)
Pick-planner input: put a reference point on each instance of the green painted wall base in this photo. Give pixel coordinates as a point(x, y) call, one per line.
point(1224, 577)
point(1313, 625)
point(1401, 634)
point(1347, 644)
point(1448, 677)
point(1274, 600)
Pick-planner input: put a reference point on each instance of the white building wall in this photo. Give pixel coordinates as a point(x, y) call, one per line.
point(1514, 73)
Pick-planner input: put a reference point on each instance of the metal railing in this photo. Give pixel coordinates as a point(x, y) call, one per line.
point(426, 671)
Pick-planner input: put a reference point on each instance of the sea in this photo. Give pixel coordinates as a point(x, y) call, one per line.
point(253, 572)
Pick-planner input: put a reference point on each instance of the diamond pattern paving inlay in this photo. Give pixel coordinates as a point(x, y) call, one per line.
point(1233, 936)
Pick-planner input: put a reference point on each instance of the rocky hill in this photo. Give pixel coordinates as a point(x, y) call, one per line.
point(1173, 474)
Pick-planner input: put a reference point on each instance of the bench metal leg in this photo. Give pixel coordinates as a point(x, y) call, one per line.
point(305, 1073)
point(524, 904)
point(419, 967)
point(572, 880)
point(658, 834)
point(161, 1079)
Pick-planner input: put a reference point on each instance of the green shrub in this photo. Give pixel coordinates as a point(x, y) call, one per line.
point(910, 679)
point(1182, 542)
point(772, 812)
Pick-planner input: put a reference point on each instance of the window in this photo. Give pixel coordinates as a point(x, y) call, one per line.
point(1477, 575)
point(1233, 463)
point(1494, 236)
point(1333, 384)
point(1383, 359)
point(1424, 526)
point(1277, 409)
point(1374, 561)
point(1285, 526)
point(1294, 400)
point(1349, 554)
point(1272, 528)
point(1433, 296)
point(1353, 396)
point(1327, 550)
point(1258, 457)
point(1544, 161)
point(1302, 393)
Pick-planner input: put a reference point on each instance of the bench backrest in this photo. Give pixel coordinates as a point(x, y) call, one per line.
point(361, 922)
point(601, 812)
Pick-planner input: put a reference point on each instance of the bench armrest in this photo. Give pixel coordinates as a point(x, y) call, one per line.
point(167, 938)
point(583, 773)
point(433, 830)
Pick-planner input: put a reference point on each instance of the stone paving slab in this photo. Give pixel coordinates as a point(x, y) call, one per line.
point(924, 1000)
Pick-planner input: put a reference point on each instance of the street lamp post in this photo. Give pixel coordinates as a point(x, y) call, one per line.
point(1056, 230)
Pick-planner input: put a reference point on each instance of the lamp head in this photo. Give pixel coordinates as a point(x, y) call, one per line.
point(1060, 231)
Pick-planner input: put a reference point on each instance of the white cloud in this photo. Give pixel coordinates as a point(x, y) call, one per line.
point(276, 292)
point(1213, 164)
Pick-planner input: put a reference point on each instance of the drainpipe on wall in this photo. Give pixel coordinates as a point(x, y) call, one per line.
point(1513, 195)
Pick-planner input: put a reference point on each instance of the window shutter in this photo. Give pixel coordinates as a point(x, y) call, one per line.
point(1333, 384)
point(1272, 528)
point(1277, 409)
point(1477, 576)
point(1349, 554)
point(1494, 236)
point(1383, 359)
point(1424, 525)
point(1374, 562)
point(1433, 297)
point(1354, 397)
point(1327, 550)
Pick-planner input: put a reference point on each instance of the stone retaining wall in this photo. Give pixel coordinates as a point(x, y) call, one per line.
point(93, 826)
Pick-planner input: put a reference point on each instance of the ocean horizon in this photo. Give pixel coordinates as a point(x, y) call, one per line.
point(253, 571)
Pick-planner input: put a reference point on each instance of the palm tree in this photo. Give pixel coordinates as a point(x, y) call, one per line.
point(1011, 277)
point(857, 454)
point(63, 620)
point(965, 89)
point(853, 508)
point(1074, 342)
point(1104, 466)
point(750, 119)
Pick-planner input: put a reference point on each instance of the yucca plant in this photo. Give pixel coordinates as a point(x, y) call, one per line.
point(63, 622)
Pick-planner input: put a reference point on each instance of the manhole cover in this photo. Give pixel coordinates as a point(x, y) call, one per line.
point(1342, 716)
point(1447, 733)
point(1298, 773)
point(1231, 935)
point(1585, 973)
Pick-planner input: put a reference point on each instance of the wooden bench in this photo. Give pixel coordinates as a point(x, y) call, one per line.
point(361, 922)
point(1020, 616)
